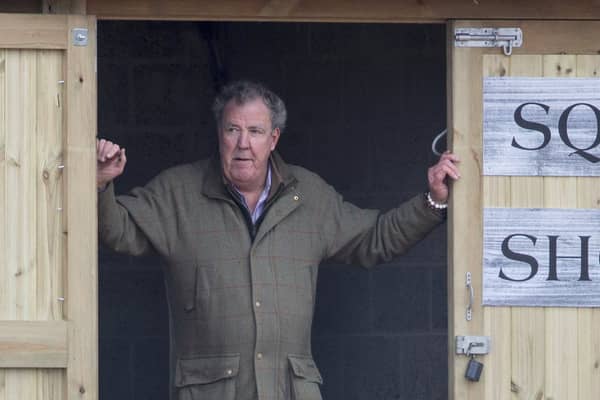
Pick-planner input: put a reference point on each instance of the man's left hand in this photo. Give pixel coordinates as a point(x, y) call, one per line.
point(439, 175)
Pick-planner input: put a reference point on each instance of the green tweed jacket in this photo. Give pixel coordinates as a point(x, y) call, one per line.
point(242, 302)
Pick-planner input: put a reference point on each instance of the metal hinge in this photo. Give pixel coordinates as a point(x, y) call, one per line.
point(80, 36)
point(472, 345)
point(507, 38)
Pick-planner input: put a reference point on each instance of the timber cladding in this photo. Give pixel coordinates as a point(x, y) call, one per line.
point(48, 250)
point(312, 10)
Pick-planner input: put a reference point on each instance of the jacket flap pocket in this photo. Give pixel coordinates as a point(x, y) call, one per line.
point(202, 370)
point(305, 367)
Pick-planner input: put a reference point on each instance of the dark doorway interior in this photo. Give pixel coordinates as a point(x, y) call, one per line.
point(364, 102)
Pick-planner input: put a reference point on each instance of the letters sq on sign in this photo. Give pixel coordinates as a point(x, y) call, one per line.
point(541, 126)
point(541, 257)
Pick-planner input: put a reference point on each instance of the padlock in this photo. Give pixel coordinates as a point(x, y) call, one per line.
point(474, 368)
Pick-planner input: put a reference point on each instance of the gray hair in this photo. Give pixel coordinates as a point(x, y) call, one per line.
point(245, 91)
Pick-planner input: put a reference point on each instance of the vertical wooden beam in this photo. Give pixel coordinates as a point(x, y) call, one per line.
point(81, 198)
point(464, 247)
point(528, 323)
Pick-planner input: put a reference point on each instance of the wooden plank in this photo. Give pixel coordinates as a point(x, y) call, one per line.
point(21, 70)
point(21, 383)
point(51, 384)
point(341, 10)
point(82, 251)
point(3, 212)
point(64, 6)
point(527, 324)
point(561, 324)
point(20, 6)
point(588, 355)
point(49, 192)
point(21, 66)
point(464, 120)
point(29, 31)
point(33, 344)
point(3, 183)
point(497, 192)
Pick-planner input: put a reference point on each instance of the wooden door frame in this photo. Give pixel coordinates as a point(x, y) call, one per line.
point(73, 342)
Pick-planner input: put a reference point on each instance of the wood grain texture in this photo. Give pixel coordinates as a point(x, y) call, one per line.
point(464, 222)
point(50, 241)
point(561, 324)
point(33, 344)
point(588, 196)
point(554, 351)
point(341, 10)
point(559, 155)
point(30, 31)
point(33, 333)
point(64, 6)
point(528, 352)
point(497, 320)
point(4, 304)
point(81, 198)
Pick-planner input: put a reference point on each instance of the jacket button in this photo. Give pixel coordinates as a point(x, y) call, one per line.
point(296, 198)
point(257, 304)
point(259, 356)
point(229, 372)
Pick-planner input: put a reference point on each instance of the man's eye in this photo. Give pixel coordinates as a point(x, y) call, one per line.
point(256, 131)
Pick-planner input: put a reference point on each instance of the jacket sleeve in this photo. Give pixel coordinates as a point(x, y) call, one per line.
point(133, 223)
point(368, 237)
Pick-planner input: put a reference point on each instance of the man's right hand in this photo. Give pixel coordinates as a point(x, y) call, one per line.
point(110, 160)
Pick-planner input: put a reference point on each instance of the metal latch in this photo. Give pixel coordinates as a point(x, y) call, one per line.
point(80, 36)
point(507, 38)
point(472, 345)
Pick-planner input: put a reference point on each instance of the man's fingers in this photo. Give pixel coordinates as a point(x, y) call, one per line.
point(122, 158)
point(106, 150)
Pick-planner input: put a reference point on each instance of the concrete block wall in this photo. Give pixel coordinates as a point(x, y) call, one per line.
point(364, 103)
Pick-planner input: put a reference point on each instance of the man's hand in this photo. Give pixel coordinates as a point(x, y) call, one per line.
point(438, 175)
point(110, 160)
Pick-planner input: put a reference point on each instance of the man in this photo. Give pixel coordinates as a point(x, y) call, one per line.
point(242, 235)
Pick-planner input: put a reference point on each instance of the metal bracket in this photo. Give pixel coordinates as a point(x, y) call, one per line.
point(472, 345)
point(80, 36)
point(469, 313)
point(507, 38)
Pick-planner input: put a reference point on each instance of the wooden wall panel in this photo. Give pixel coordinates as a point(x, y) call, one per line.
point(528, 353)
point(588, 343)
point(81, 198)
point(31, 244)
point(496, 320)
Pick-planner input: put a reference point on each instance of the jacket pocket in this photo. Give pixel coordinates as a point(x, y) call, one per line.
point(207, 377)
point(305, 378)
point(190, 289)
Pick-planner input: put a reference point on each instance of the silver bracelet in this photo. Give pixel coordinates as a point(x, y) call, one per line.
point(433, 205)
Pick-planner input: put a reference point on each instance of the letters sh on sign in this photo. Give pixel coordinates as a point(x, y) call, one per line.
point(541, 126)
point(531, 257)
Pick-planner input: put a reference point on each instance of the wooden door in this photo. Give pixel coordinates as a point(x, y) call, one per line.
point(536, 353)
point(48, 240)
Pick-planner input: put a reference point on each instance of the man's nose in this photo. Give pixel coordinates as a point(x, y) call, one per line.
point(244, 140)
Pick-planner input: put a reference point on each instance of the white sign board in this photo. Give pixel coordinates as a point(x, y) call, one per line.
point(541, 257)
point(541, 126)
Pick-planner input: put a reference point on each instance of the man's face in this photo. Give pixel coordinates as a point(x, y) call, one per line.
point(246, 139)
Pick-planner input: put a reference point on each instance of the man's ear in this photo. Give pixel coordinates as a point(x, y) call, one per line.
point(276, 133)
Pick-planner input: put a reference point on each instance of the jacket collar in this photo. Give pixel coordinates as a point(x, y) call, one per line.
point(215, 184)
